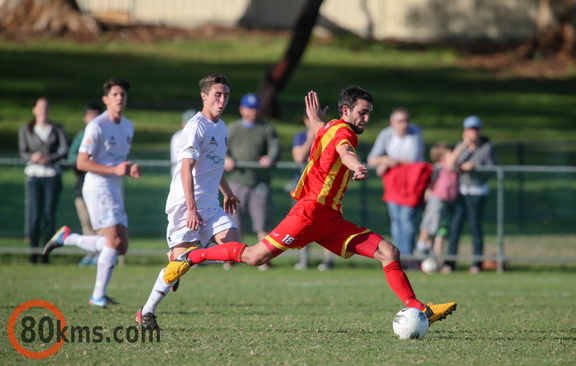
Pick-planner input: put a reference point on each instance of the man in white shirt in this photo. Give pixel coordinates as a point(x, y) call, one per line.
point(401, 143)
point(195, 217)
point(103, 154)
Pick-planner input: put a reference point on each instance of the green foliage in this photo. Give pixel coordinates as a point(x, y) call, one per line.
point(287, 317)
point(164, 78)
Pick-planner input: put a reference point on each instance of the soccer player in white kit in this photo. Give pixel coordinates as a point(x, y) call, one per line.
point(195, 217)
point(103, 154)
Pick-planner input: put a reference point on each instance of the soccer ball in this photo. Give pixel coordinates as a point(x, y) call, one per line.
point(429, 265)
point(410, 323)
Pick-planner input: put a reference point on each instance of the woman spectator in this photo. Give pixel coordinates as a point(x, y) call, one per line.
point(42, 144)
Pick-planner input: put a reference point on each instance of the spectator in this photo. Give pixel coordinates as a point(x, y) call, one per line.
point(301, 145)
point(473, 191)
point(189, 113)
point(91, 111)
point(42, 144)
point(103, 155)
point(401, 143)
point(252, 140)
point(440, 195)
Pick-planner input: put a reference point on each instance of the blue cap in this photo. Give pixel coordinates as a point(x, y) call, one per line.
point(189, 113)
point(250, 100)
point(472, 122)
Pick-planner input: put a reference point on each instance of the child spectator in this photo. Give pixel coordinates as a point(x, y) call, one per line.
point(442, 192)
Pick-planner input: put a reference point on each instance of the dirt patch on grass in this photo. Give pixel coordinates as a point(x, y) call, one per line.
point(507, 63)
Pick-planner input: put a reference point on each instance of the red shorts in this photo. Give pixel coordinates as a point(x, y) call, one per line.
point(309, 222)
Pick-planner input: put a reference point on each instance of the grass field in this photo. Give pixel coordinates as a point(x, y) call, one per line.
point(287, 317)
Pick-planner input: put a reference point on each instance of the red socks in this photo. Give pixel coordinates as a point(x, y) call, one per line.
point(231, 251)
point(400, 284)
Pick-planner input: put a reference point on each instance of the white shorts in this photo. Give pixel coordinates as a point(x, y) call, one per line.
point(106, 209)
point(216, 221)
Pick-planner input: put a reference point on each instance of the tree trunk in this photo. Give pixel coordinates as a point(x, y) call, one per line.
point(276, 78)
point(555, 34)
point(23, 18)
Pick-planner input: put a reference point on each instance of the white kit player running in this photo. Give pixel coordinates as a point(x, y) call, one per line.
point(195, 217)
point(103, 155)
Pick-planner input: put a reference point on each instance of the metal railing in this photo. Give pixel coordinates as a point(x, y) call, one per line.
point(525, 200)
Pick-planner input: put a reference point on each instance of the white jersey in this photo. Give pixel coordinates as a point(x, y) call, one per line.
point(206, 142)
point(174, 140)
point(108, 143)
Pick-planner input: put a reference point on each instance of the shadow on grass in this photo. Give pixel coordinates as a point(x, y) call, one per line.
point(162, 87)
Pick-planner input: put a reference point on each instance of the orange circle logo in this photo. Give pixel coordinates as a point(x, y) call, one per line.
point(12, 322)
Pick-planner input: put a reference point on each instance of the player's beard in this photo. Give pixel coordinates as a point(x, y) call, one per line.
point(357, 129)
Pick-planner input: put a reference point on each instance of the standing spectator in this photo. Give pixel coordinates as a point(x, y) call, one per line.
point(439, 197)
point(401, 143)
point(189, 113)
point(103, 155)
point(91, 111)
point(42, 144)
point(301, 145)
point(473, 191)
point(252, 140)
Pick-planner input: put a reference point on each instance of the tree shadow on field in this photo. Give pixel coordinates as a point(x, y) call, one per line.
point(437, 97)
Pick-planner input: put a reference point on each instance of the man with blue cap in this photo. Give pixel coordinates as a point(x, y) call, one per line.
point(250, 139)
point(473, 191)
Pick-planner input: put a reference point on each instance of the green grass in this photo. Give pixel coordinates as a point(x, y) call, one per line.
point(287, 317)
point(164, 78)
point(524, 317)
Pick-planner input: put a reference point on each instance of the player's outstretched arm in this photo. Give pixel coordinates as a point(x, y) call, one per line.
point(314, 112)
point(352, 162)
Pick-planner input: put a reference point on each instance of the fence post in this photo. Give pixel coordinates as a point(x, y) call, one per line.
point(500, 218)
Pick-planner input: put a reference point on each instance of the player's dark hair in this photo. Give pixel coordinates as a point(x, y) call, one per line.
point(207, 81)
point(350, 96)
point(115, 82)
point(92, 107)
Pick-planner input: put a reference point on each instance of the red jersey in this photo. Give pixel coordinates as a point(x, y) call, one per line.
point(325, 178)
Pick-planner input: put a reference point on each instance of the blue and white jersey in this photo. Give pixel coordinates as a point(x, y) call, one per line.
point(206, 142)
point(108, 143)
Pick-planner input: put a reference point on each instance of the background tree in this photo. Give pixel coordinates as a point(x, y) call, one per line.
point(22, 18)
point(276, 78)
point(555, 34)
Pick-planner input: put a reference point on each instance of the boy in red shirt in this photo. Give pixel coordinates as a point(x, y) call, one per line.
point(317, 216)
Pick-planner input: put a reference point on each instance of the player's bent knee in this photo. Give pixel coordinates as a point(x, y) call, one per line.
point(254, 260)
point(252, 256)
point(387, 252)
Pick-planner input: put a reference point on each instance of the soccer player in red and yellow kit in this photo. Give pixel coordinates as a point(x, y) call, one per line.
point(317, 216)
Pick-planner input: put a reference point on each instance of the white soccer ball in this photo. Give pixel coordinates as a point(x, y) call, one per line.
point(410, 323)
point(429, 265)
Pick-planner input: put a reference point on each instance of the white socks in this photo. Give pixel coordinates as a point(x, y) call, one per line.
point(159, 292)
point(90, 243)
point(106, 262)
